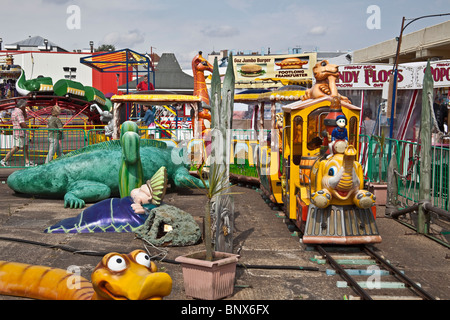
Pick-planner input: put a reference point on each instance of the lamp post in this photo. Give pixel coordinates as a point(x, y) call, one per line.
point(46, 44)
point(91, 43)
point(425, 131)
point(1, 41)
point(395, 68)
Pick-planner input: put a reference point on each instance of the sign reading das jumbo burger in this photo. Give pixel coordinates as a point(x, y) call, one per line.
point(269, 69)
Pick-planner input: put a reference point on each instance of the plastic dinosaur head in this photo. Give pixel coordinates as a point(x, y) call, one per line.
point(323, 69)
point(129, 277)
point(201, 64)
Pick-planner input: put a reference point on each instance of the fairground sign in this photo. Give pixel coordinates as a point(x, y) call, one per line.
point(374, 76)
point(274, 70)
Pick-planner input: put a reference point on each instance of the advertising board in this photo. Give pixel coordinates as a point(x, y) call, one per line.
point(253, 71)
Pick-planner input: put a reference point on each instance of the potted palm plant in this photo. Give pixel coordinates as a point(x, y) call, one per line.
point(210, 274)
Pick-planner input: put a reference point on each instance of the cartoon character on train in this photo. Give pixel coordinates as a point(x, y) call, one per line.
point(339, 178)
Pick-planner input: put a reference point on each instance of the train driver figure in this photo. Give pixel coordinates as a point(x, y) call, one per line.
point(339, 134)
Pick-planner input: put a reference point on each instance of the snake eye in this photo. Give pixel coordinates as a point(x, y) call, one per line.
point(117, 263)
point(332, 171)
point(143, 259)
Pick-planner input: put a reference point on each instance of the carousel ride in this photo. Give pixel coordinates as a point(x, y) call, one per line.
point(42, 93)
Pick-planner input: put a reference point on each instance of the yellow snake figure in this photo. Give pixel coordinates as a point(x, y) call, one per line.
point(117, 277)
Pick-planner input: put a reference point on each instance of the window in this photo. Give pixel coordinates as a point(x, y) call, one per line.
point(315, 127)
point(297, 134)
point(353, 131)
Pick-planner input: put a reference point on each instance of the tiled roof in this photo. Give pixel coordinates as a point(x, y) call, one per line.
point(34, 42)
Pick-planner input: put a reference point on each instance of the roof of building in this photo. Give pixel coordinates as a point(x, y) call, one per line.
point(36, 41)
point(421, 45)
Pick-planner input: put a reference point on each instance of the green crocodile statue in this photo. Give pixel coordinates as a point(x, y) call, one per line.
point(91, 174)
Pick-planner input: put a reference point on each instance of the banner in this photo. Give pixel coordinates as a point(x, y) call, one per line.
point(253, 71)
point(374, 76)
point(440, 71)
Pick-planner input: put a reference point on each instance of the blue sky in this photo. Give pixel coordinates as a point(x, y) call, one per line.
point(185, 27)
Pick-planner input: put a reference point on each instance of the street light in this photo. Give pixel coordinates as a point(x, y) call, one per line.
point(425, 151)
point(46, 44)
point(1, 41)
point(395, 68)
point(91, 43)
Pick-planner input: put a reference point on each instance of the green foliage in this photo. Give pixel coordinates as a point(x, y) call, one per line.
point(105, 47)
point(214, 188)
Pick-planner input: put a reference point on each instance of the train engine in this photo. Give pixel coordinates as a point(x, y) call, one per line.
point(322, 183)
point(340, 211)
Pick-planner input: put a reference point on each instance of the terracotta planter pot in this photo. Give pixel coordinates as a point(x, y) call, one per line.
point(208, 280)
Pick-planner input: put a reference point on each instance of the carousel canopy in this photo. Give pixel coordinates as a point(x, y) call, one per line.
point(116, 61)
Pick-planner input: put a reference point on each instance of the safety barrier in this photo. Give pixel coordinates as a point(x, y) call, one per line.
point(96, 136)
point(175, 135)
point(37, 144)
point(375, 155)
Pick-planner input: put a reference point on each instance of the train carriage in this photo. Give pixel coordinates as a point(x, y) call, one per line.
point(296, 167)
point(270, 142)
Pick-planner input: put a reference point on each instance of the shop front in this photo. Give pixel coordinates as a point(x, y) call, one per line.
point(367, 85)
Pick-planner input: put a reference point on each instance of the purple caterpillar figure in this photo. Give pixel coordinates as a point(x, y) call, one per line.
point(117, 214)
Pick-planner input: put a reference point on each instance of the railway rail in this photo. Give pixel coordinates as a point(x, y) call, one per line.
point(350, 275)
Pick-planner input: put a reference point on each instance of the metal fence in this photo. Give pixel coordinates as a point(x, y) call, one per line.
point(175, 135)
point(375, 156)
point(37, 144)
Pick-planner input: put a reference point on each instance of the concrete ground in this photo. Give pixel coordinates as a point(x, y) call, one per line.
point(262, 237)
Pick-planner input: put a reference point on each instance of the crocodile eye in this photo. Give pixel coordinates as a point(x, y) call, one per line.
point(332, 171)
point(143, 258)
point(116, 263)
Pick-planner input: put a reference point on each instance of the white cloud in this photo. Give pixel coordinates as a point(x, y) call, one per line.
point(127, 40)
point(318, 30)
point(221, 31)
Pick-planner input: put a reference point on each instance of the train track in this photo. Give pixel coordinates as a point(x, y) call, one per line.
point(380, 264)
